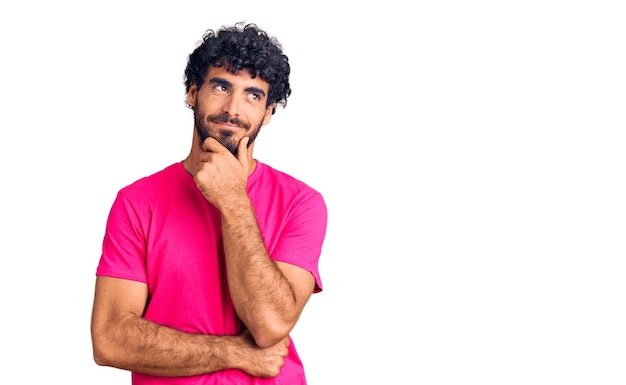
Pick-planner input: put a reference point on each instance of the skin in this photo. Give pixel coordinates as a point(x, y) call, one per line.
point(268, 296)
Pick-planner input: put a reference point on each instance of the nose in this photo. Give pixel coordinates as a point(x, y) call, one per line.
point(231, 105)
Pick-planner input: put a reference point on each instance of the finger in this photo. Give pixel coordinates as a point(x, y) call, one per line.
point(242, 151)
point(212, 145)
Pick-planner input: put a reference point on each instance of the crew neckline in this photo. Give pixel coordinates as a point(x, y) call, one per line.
point(258, 169)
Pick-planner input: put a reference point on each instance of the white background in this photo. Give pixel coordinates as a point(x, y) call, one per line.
point(471, 155)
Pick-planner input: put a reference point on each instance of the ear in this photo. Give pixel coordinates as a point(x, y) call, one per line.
point(191, 95)
point(268, 114)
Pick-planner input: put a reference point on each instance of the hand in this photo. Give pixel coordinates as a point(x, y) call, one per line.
point(220, 176)
point(261, 362)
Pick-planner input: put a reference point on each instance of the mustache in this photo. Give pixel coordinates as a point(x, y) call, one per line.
point(224, 117)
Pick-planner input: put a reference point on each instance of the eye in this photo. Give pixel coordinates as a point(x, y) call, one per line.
point(254, 96)
point(220, 88)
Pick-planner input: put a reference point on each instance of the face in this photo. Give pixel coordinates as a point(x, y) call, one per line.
point(229, 106)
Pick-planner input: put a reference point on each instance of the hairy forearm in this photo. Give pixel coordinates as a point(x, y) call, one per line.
point(262, 296)
point(139, 345)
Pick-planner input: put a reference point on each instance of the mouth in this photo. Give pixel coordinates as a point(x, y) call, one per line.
point(224, 119)
point(228, 125)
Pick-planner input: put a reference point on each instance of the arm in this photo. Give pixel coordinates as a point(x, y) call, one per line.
point(268, 296)
point(123, 339)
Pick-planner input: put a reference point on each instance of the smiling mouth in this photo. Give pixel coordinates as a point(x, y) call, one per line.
point(226, 124)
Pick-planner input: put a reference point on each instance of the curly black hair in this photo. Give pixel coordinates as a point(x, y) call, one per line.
point(242, 47)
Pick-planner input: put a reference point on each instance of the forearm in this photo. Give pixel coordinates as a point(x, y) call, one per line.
point(139, 345)
point(262, 296)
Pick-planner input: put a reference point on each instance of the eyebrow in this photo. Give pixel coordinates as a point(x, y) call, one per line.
point(226, 83)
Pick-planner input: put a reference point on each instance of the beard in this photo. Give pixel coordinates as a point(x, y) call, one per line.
point(224, 136)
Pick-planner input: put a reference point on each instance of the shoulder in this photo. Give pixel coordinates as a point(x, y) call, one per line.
point(149, 184)
point(277, 180)
point(281, 189)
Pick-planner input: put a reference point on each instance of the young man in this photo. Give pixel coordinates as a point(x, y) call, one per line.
point(207, 264)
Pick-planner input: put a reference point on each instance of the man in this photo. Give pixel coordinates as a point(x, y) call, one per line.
point(207, 264)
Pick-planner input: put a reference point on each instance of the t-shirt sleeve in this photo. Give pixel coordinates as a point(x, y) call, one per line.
point(124, 246)
point(301, 241)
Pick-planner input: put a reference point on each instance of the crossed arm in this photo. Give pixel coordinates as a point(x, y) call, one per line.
point(123, 339)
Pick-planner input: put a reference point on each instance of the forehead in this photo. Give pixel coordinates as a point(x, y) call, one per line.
point(237, 79)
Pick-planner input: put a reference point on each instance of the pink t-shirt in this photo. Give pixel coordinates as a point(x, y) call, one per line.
point(163, 232)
